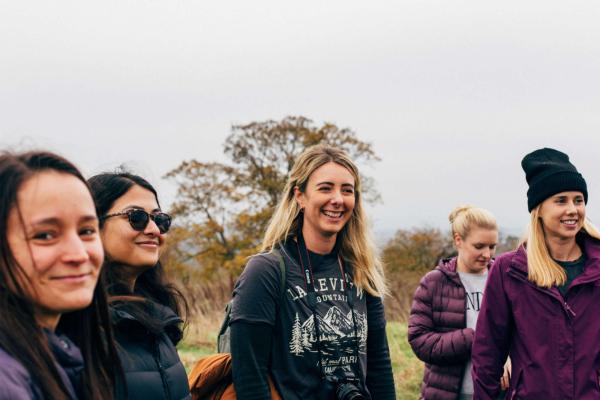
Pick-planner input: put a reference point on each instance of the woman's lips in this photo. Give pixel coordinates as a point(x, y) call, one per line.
point(75, 278)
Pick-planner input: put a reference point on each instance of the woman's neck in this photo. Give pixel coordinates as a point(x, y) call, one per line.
point(47, 320)
point(127, 275)
point(563, 250)
point(462, 267)
point(318, 243)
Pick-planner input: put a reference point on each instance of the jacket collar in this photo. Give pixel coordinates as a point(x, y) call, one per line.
point(122, 312)
point(590, 247)
point(447, 266)
point(69, 358)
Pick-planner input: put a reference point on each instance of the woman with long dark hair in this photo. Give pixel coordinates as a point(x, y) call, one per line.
point(55, 332)
point(319, 332)
point(146, 310)
point(541, 300)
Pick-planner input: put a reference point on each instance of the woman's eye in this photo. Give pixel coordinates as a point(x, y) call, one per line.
point(44, 236)
point(87, 231)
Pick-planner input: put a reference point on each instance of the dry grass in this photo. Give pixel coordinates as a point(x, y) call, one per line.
point(207, 303)
point(201, 338)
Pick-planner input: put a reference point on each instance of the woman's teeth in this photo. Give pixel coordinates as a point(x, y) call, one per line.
point(333, 214)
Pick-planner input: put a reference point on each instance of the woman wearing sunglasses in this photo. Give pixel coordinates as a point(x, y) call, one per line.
point(146, 310)
point(321, 335)
point(55, 331)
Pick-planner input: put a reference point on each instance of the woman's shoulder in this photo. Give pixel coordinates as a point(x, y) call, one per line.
point(504, 260)
point(262, 272)
point(440, 274)
point(15, 380)
point(264, 264)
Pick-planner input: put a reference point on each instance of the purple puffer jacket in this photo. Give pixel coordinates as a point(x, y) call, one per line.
point(554, 343)
point(437, 331)
point(16, 382)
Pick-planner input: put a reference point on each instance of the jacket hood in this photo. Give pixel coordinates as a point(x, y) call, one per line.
point(447, 266)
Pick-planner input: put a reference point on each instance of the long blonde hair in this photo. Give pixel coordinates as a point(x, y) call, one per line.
point(542, 269)
point(356, 244)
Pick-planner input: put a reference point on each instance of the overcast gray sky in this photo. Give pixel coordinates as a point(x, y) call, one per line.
point(452, 94)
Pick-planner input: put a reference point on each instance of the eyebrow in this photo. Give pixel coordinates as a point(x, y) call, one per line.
point(56, 221)
point(134, 207)
point(333, 184)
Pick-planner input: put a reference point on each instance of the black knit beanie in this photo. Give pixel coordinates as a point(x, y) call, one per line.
point(548, 172)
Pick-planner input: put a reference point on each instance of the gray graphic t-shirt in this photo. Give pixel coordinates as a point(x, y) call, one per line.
point(295, 359)
point(474, 285)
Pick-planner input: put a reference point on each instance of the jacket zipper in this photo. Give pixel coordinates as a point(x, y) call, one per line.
point(563, 302)
point(161, 369)
point(570, 313)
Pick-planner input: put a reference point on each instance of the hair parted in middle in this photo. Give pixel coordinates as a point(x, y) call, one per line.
point(548, 172)
point(21, 335)
point(355, 241)
point(463, 218)
point(106, 189)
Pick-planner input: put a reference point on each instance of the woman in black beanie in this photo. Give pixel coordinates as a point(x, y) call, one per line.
point(541, 300)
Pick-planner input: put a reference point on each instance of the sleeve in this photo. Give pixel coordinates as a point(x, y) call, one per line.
point(14, 382)
point(380, 379)
point(492, 339)
point(255, 300)
point(429, 345)
point(256, 293)
point(250, 347)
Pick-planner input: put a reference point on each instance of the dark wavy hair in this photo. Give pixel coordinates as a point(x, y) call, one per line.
point(20, 335)
point(152, 284)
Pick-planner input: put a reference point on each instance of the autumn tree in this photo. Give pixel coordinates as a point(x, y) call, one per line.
point(411, 253)
point(222, 209)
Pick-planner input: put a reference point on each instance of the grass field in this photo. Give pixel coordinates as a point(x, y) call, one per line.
point(408, 370)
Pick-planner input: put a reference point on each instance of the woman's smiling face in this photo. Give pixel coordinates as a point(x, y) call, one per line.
point(123, 244)
point(328, 200)
point(563, 214)
point(53, 235)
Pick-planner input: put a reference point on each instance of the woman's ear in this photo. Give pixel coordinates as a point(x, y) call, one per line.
point(457, 240)
point(299, 196)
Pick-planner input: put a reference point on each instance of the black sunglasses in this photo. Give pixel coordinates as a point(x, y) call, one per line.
point(138, 219)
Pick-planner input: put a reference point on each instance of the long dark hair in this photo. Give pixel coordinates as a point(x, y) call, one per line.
point(20, 335)
point(151, 284)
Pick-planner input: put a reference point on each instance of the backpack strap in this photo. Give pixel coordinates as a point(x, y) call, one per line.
point(282, 271)
point(223, 345)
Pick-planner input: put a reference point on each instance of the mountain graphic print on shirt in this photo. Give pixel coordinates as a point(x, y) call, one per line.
point(339, 337)
point(337, 328)
point(295, 363)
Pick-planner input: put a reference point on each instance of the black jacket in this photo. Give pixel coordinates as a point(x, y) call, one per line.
point(150, 361)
